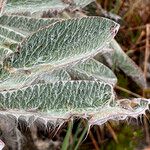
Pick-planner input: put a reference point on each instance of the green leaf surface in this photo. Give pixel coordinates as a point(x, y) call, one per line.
point(50, 48)
point(25, 25)
point(92, 70)
point(13, 29)
point(32, 6)
point(25, 78)
point(82, 3)
point(65, 42)
point(122, 61)
point(123, 110)
point(4, 52)
point(10, 34)
point(60, 97)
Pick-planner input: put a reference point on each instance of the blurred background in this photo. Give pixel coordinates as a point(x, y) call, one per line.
point(131, 134)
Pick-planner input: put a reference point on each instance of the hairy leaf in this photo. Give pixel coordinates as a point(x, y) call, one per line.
point(25, 25)
point(122, 111)
point(50, 47)
point(60, 97)
point(10, 34)
point(92, 70)
point(65, 42)
point(82, 3)
point(32, 6)
point(13, 29)
point(23, 79)
point(4, 52)
point(119, 59)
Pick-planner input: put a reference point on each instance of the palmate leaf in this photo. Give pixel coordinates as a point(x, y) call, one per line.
point(92, 70)
point(59, 98)
point(120, 60)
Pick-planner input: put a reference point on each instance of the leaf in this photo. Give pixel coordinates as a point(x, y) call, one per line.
point(120, 60)
point(59, 98)
point(23, 79)
point(65, 99)
point(32, 6)
point(131, 108)
point(4, 52)
point(92, 70)
point(10, 29)
point(83, 3)
point(25, 25)
point(55, 50)
point(13, 29)
point(10, 34)
point(65, 42)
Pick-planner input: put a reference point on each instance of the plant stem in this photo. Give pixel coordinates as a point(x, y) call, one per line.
point(127, 91)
